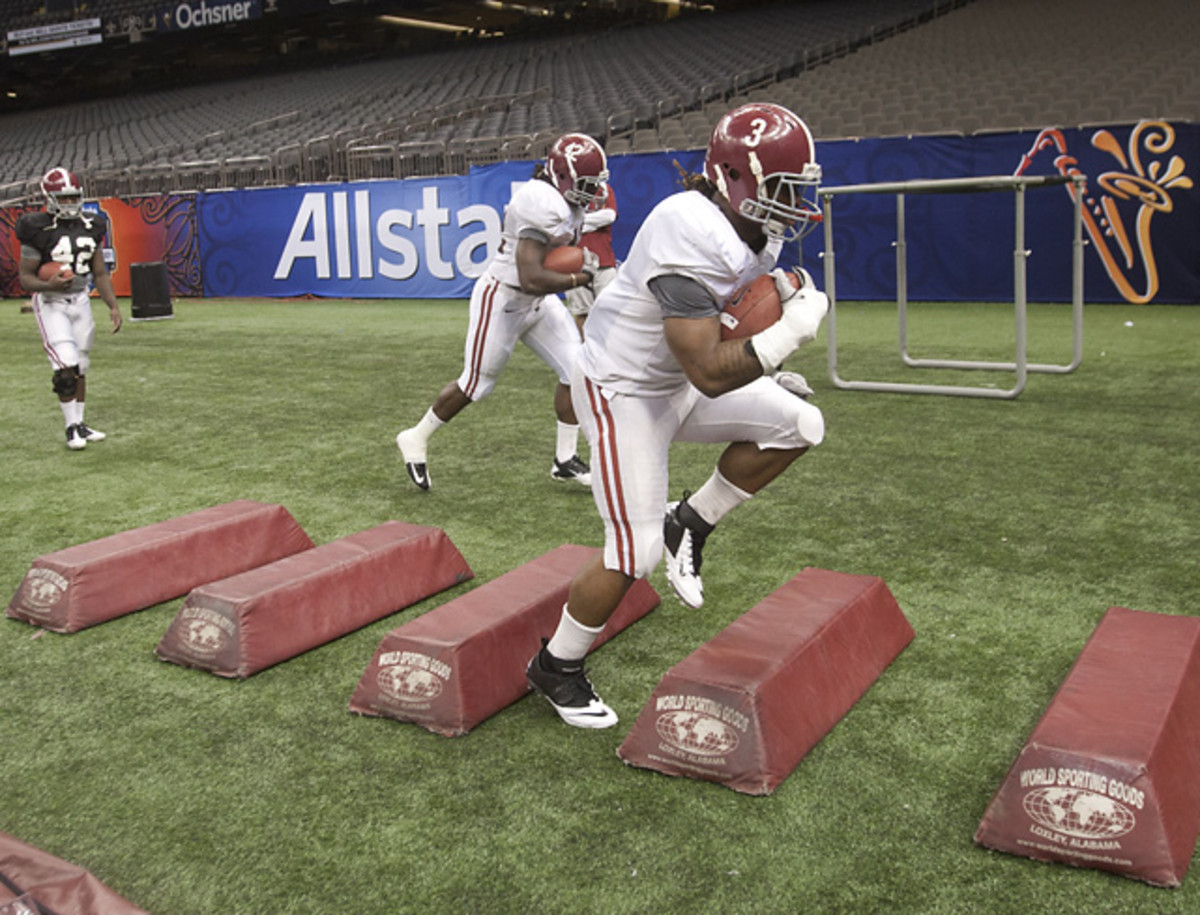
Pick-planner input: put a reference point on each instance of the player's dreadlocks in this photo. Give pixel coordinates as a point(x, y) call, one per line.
point(691, 181)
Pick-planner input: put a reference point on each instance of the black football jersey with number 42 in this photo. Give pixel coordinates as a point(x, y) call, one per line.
point(73, 242)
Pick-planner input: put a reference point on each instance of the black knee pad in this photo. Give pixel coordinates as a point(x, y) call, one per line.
point(66, 381)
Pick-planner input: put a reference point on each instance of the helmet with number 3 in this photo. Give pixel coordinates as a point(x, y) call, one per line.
point(63, 193)
point(761, 158)
point(578, 168)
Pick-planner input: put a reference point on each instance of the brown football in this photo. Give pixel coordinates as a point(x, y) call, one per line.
point(752, 308)
point(51, 269)
point(564, 259)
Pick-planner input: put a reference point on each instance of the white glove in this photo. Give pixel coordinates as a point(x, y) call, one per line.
point(803, 313)
point(784, 285)
point(793, 383)
point(591, 264)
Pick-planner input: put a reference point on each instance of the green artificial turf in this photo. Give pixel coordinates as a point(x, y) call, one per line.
point(1005, 529)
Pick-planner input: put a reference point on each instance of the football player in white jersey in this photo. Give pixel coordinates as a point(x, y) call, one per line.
point(63, 233)
point(516, 299)
point(653, 369)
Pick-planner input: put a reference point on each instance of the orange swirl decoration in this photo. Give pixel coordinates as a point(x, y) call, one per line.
point(1118, 223)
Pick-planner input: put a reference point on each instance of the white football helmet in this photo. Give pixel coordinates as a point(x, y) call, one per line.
point(761, 158)
point(63, 193)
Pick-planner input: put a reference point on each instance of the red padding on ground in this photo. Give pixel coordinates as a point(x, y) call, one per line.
point(241, 625)
point(460, 663)
point(1107, 778)
point(745, 707)
point(100, 580)
point(54, 884)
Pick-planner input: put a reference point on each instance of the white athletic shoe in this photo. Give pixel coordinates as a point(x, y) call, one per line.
point(684, 533)
point(569, 691)
point(92, 435)
point(76, 440)
point(414, 459)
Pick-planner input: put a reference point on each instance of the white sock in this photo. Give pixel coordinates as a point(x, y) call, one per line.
point(572, 640)
point(428, 425)
point(568, 442)
point(716, 498)
point(68, 411)
point(79, 411)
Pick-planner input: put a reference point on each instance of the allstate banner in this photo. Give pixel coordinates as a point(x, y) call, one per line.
point(431, 237)
point(421, 238)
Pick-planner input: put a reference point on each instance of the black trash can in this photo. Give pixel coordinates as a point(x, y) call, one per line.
point(151, 292)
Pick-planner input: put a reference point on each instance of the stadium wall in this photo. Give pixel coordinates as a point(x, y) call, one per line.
point(430, 237)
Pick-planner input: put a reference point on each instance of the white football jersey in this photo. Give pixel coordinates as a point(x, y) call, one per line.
point(539, 211)
point(625, 349)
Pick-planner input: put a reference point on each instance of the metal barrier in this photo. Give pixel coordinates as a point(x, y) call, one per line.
point(289, 164)
point(1020, 365)
point(377, 161)
point(420, 158)
point(247, 171)
point(198, 175)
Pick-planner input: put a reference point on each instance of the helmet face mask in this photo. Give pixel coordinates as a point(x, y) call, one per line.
point(588, 190)
point(63, 193)
point(761, 160)
point(786, 204)
point(579, 169)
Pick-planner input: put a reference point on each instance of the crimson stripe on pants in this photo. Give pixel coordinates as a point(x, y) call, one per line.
point(485, 319)
point(610, 470)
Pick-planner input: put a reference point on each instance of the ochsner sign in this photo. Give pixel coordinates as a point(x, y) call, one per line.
point(199, 13)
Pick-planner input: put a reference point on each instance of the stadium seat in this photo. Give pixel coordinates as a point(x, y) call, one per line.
point(953, 61)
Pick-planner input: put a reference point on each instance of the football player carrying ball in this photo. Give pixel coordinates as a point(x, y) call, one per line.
point(516, 299)
point(65, 234)
point(654, 369)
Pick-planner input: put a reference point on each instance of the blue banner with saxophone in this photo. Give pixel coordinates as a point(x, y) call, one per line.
point(1141, 215)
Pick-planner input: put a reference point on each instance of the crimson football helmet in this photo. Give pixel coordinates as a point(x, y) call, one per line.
point(63, 193)
point(578, 168)
point(761, 158)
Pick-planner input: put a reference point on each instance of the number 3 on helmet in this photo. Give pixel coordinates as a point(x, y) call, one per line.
point(63, 193)
point(761, 158)
point(578, 168)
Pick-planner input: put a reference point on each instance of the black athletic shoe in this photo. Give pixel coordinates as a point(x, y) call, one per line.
point(684, 533)
point(568, 690)
point(571, 469)
point(92, 435)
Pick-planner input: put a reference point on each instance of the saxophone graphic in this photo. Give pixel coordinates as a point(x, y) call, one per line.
point(1118, 222)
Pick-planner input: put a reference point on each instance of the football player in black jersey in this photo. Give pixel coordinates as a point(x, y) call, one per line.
point(65, 235)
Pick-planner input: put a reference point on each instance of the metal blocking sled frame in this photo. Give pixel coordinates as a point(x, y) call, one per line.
point(1020, 365)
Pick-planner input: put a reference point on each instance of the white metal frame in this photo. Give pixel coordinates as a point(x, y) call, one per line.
point(1019, 365)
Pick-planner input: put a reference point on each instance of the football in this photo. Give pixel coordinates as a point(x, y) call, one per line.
point(564, 259)
point(51, 269)
point(752, 308)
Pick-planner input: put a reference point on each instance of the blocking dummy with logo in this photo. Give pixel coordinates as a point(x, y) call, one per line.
point(97, 581)
point(1107, 778)
point(745, 707)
